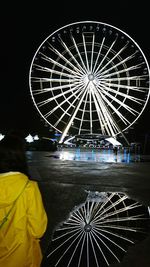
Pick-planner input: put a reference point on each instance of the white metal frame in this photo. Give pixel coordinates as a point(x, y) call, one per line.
point(89, 77)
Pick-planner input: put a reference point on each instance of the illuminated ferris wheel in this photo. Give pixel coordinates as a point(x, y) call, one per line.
point(89, 77)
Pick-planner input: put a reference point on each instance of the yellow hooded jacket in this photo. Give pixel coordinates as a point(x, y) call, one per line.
point(20, 234)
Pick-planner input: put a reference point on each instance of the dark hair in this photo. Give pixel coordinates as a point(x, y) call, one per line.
point(12, 154)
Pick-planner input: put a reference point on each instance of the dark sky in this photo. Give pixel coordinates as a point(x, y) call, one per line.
point(24, 28)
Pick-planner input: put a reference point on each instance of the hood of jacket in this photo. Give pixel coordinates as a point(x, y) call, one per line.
point(11, 184)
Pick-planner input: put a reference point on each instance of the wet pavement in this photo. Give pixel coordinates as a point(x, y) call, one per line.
point(66, 176)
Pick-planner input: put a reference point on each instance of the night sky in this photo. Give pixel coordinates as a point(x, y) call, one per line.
point(24, 28)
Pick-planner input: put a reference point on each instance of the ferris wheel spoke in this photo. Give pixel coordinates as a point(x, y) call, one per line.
point(77, 245)
point(92, 52)
point(67, 227)
point(81, 214)
point(136, 67)
point(102, 122)
point(60, 106)
point(77, 213)
point(117, 92)
point(68, 62)
point(50, 60)
point(81, 250)
point(87, 213)
point(51, 89)
point(122, 228)
point(68, 232)
point(83, 210)
point(81, 236)
point(108, 82)
point(97, 238)
point(121, 103)
point(94, 209)
point(53, 71)
point(116, 227)
point(79, 54)
point(82, 70)
point(76, 235)
point(98, 55)
point(76, 218)
point(91, 119)
point(115, 56)
point(122, 219)
point(74, 113)
point(106, 114)
point(94, 252)
point(86, 56)
point(99, 230)
point(87, 208)
point(123, 118)
point(66, 111)
point(83, 113)
point(87, 250)
point(126, 208)
point(100, 213)
point(102, 206)
point(99, 234)
point(127, 79)
point(131, 110)
point(114, 203)
point(57, 80)
point(114, 66)
point(105, 56)
point(75, 88)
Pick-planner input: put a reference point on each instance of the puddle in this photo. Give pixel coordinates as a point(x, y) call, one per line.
point(99, 231)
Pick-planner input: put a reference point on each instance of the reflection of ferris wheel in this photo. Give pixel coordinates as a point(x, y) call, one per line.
point(89, 77)
point(99, 231)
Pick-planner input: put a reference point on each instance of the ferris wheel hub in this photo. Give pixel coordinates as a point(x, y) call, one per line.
point(87, 227)
point(91, 77)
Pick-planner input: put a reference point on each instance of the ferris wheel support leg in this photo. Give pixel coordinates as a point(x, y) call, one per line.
point(126, 140)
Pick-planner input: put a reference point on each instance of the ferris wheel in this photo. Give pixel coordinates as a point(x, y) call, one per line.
point(89, 77)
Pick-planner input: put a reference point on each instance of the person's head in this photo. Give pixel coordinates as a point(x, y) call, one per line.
point(12, 154)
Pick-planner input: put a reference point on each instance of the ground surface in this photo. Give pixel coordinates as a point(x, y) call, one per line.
point(65, 176)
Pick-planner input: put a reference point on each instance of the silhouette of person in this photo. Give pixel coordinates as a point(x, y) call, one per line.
point(23, 219)
point(115, 150)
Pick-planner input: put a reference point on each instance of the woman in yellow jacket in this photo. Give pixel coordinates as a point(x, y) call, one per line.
point(23, 219)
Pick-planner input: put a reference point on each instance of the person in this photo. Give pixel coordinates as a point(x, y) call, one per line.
point(23, 219)
point(115, 150)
